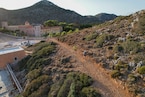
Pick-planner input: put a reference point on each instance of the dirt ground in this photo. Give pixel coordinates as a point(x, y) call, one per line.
point(102, 80)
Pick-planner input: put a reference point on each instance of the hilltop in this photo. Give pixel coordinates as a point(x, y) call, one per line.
point(46, 10)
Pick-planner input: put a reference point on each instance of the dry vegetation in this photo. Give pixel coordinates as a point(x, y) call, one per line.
point(119, 45)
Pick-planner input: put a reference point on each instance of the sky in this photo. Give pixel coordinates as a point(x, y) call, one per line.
point(84, 7)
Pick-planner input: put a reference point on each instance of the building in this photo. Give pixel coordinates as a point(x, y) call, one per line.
point(11, 55)
point(29, 30)
point(32, 30)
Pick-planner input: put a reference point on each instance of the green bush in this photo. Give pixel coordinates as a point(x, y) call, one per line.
point(55, 88)
point(131, 78)
point(139, 57)
point(141, 70)
point(40, 45)
point(86, 80)
point(115, 74)
point(22, 63)
point(45, 51)
point(63, 33)
point(120, 65)
point(102, 39)
point(51, 23)
point(131, 46)
point(118, 48)
point(39, 57)
point(90, 92)
point(34, 74)
point(35, 84)
point(72, 92)
point(41, 92)
point(91, 36)
point(73, 85)
point(83, 78)
point(64, 90)
point(141, 25)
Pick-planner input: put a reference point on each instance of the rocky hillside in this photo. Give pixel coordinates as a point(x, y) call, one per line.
point(45, 10)
point(119, 46)
point(70, 66)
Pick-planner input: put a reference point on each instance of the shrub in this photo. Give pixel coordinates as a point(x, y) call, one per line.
point(33, 74)
point(120, 65)
point(86, 80)
point(19, 95)
point(72, 92)
point(118, 48)
point(131, 78)
point(22, 63)
point(102, 39)
point(63, 33)
point(45, 51)
point(38, 59)
point(41, 92)
point(76, 30)
point(139, 57)
point(64, 90)
point(141, 70)
point(40, 45)
point(74, 48)
point(91, 36)
point(55, 88)
point(131, 46)
point(141, 25)
point(90, 92)
point(35, 84)
point(115, 74)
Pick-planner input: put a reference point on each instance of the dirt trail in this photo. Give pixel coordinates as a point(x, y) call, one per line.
point(102, 80)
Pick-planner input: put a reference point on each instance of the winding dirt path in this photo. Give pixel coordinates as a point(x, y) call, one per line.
point(102, 80)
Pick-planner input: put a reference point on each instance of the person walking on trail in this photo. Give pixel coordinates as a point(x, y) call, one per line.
point(84, 53)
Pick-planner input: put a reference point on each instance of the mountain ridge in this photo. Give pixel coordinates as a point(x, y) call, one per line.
point(43, 11)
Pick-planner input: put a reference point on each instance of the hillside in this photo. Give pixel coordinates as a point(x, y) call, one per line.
point(52, 72)
point(119, 47)
point(113, 65)
point(45, 10)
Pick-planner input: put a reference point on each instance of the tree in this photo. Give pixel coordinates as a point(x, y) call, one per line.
point(51, 23)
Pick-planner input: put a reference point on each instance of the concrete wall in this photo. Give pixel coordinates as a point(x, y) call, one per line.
point(11, 58)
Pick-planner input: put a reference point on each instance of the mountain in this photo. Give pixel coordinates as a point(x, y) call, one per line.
point(105, 16)
point(45, 10)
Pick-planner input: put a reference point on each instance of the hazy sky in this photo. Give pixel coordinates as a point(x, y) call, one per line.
point(84, 7)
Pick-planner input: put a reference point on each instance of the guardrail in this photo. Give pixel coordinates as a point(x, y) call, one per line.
point(14, 78)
